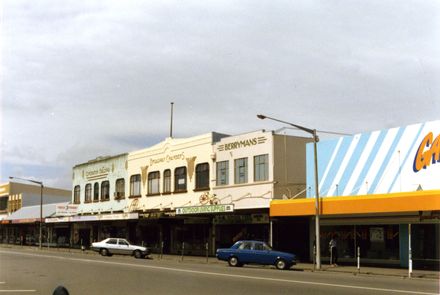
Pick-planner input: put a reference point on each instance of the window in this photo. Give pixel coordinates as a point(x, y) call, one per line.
point(202, 176)
point(153, 183)
point(112, 241)
point(135, 185)
point(123, 243)
point(223, 173)
point(76, 194)
point(105, 190)
point(167, 181)
point(180, 179)
point(261, 167)
point(241, 175)
point(88, 197)
point(96, 192)
point(120, 188)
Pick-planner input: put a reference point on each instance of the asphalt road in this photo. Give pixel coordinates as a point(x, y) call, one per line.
point(39, 272)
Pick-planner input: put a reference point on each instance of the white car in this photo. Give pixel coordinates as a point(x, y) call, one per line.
point(111, 246)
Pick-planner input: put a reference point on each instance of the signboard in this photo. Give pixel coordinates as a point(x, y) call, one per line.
point(403, 159)
point(66, 210)
point(241, 219)
point(57, 219)
point(205, 209)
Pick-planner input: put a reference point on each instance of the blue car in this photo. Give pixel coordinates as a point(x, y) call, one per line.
point(255, 252)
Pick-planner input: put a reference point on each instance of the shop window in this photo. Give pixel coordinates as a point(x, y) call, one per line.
point(153, 183)
point(261, 167)
point(135, 185)
point(241, 170)
point(96, 192)
point(76, 194)
point(180, 179)
point(202, 176)
point(88, 193)
point(167, 181)
point(120, 189)
point(223, 173)
point(105, 190)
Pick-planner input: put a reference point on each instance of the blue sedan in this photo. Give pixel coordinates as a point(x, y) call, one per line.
point(255, 252)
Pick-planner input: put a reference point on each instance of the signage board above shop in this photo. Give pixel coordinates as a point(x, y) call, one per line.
point(205, 209)
point(402, 159)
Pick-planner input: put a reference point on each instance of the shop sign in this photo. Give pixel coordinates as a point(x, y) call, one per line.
point(242, 143)
point(84, 218)
point(97, 173)
point(57, 219)
point(120, 216)
point(152, 215)
point(167, 159)
point(428, 152)
point(241, 219)
point(205, 209)
point(66, 210)
point(25, 220)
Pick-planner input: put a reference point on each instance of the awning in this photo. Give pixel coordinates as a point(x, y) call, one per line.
point(364, 204)
point(31, 214)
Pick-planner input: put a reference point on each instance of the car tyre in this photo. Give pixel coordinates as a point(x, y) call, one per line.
point(233, 261)
point(280, 264)
point(104, 252)
point(138, 254)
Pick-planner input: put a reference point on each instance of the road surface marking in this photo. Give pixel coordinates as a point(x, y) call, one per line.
point(221, 274)
point(17, 291)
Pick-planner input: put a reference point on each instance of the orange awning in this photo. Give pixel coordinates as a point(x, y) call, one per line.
point(363, 204)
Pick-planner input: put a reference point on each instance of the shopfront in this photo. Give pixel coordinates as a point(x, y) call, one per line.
point(379, 194)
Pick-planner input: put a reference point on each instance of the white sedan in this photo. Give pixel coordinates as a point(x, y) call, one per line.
point(111, 246)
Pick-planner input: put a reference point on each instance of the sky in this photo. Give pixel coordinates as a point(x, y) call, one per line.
point(82, 79)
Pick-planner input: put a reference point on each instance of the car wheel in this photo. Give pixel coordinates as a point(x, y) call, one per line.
point(138, 254)
point(233, 261)
point(104, 252)
point(280, 264)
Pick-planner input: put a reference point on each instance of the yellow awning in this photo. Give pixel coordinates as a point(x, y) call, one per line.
point(363, 204)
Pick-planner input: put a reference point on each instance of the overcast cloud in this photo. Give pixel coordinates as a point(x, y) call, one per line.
point(81, 79)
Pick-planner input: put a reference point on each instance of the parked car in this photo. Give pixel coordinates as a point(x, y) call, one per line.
point(255, 252)
point(111, 246)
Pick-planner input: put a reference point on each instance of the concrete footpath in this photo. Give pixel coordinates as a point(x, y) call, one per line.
point(367, 270)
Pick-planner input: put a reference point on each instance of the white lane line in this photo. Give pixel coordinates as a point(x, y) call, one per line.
point(17, 291)
point(223, 275)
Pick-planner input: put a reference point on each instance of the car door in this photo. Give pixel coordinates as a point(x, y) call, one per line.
point(262, 253)
point(112, 246)
point(123, 247)
point(244, 252)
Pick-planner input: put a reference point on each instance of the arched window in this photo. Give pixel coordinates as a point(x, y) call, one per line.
point(105, 190)
point(153, 183)
point(202, 176)
point(76, 194)
point(180, 179)
point(96, 192)
point(88, 196)
point(135, 185)
point(167, 181)
point(120, 188)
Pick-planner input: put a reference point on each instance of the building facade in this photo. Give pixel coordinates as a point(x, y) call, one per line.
point(189, 195)
point(99, 190)
point(14, 197)
point(380, 191)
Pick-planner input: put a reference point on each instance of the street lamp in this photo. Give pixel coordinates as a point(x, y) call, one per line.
point(315, 147)
point(41, 205)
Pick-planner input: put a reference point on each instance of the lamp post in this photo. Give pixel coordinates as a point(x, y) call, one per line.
point(40, 183)
point(315, 150)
